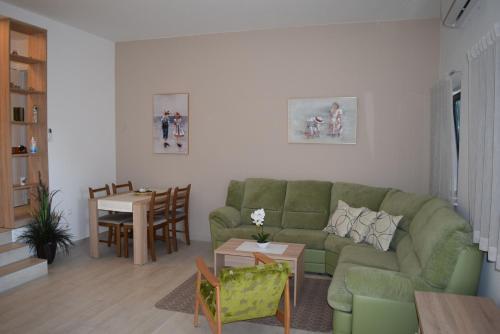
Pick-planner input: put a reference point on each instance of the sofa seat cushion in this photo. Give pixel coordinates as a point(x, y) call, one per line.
point(334, 243)
point(313, 239)
point(244, 232)
point(370, 257)
point(307, 204)
point(267, 194)
point(339, 298)
point(357, 195)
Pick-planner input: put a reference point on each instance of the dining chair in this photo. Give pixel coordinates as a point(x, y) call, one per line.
point(124, 187)
point(158, 214)
point(180, 213)
point(243, 293)
point(112, 220)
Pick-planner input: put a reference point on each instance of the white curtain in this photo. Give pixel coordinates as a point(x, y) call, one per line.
point(479, 164)
point(443, 152)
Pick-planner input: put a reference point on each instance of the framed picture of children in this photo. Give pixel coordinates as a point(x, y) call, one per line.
point(171, 123)
point(330, 120)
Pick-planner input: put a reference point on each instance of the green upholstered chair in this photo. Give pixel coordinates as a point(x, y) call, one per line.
point(243, 293)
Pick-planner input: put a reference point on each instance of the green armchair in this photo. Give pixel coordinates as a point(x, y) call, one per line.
point(243, 293)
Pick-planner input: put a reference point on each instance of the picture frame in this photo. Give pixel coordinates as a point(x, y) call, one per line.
point(328, 120)
point(171, 123)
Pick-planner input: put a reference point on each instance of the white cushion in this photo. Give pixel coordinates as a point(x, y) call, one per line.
point(361, 226)
point(382, 229)
point(342, 220)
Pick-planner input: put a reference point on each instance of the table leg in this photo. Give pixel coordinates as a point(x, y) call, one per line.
point(298, 278)
point(218, 263)
point(139, 228)
point(93, 228)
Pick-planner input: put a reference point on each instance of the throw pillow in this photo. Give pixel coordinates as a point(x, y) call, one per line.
point(341, 221)
point(361, 225)
point(382, 229)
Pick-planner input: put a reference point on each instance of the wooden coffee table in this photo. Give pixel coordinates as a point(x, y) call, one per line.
point(228, 255)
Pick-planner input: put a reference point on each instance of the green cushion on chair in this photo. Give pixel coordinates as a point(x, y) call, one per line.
point(252, 292)
point(208, 294)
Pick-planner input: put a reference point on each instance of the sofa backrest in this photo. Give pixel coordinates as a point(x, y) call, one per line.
point(399, 203)
point(357, 195)
point(307, 205)
point(235, 192)
point(268, 194)
point(438, 243)
point(407, 257)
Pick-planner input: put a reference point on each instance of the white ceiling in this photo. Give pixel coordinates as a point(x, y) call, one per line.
point(124, 20)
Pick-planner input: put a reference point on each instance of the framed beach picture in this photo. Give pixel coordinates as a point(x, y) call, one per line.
point(171, 123)
point(330, 120)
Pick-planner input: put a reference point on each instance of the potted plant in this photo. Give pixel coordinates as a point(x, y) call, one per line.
point(45, 234)
point(258, 219)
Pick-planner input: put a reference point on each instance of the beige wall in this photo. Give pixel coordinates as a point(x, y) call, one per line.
point(239, 84)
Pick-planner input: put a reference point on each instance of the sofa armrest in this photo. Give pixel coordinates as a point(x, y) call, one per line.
point(227, 216)
point(379, 283)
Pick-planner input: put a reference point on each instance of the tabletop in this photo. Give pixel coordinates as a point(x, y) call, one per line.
point(293, 251)
point(456, 314)
point(122, 202)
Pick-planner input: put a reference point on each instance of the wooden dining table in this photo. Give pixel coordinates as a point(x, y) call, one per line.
point(137, 204)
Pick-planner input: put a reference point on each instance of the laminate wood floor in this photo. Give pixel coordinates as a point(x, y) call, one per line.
point(109, 295)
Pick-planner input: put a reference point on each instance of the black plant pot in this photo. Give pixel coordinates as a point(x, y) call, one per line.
point(47, 251)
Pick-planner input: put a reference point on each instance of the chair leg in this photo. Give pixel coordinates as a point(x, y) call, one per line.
point(151, 236)
point(118, 239)
point(110, 235)
point(287, 308)
point(174, 236)
point(166, 238)
point(186, 230)
point(125, 240)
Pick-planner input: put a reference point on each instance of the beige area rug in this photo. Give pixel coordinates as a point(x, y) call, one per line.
point(312, 312)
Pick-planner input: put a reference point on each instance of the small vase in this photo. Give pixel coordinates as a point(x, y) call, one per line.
point(47, 252)
point(263, 245)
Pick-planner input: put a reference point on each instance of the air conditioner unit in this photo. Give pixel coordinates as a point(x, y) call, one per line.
point(454, 12)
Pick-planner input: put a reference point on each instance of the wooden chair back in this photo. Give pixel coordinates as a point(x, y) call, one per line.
point(97, 191)
point(159, 205)
point(180, 202)
point(124, 187)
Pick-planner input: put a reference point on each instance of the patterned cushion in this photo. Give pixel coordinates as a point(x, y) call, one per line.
point(361, 226)
point(382, 229)
point(342, 219)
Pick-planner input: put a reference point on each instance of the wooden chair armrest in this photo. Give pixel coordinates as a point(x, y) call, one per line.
point(259, 257)
point(205, 272)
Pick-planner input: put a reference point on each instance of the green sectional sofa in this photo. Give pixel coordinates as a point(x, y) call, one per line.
point(371, 291)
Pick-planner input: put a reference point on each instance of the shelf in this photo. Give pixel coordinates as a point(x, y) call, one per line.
point(25, 28)
point(25, 60)
point(22, 123)
point(26, 186)
point(22, 212)
point(25, 91)
point(23, 155)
